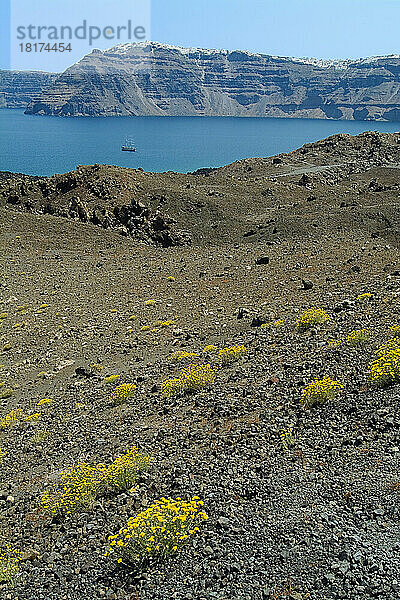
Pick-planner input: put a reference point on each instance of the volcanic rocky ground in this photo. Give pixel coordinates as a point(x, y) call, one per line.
point(319, 521)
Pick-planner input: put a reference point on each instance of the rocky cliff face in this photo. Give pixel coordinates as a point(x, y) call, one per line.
point(19, 88)
point(155, 79)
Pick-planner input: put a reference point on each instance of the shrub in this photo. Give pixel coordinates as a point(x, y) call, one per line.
point(163, 529)
point(359, 337)
point(181, 354)
point(311, 317)
point(44, 401)
point(122, 393)
point(232, 353)
point(385, 370)
point(210, 348)
point(364, 297)
point(123, 472)
point(288, 438)
point(319, 391)
point(387, 347)
point(111, 378)
point(34, 418)
point(9, 565)
point(163, 323)
point(80, 485)
point(7, 393)
point(332, 345)
point(395, 330)
point(15, 416)
point(194, 377)
point(279, 322)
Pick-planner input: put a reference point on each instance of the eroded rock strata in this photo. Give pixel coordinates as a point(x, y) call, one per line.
point(160, 80)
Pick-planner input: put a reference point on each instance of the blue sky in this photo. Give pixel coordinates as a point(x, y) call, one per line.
point(319, 28)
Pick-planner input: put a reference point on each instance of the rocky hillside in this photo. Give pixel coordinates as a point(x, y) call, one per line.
point(342, 182)
point(156, 79)
point(19, 88)
point(303, 499)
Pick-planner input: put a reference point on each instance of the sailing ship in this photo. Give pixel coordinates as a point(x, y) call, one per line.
point(128, 146)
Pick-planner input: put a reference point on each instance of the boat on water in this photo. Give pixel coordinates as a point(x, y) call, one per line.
point(128, 146)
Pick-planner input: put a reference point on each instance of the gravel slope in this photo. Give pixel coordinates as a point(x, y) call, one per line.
point(319, 521)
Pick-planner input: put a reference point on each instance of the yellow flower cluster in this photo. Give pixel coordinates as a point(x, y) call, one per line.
point(395, 330)
point(163, 529)
point(81, 484)
point(311, 317)
point(9, 565)
point(44, 401)
point(122, 473)
point(387, 347)
point(6, 393)
point(33, 418)
point(232, 353)
point(149, 302)
point(194, 377)
point(333, 344)
point(15, 416)
point(121, 393)
point(145, 328)
point(170, 278)
point(363, 297)
point(358, 337)
point(210, 348)
point(279, 322)
point(164, 323)
point(181, 354)
point(386, 368)
point(111, 378)
point(96, 367)
point(288, 438)
point(319, 391)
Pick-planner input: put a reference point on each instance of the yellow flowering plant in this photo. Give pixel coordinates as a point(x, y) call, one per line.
point(232, 353)
point(359, 337)
point(385, 370)
point(9, 565)
point(193, 378)
point(288, 438)
point(181, 354)
point(162, 529)
point(319, 391)
point(12, 418)
point(210, 349)
point(111, 378)
point(332, 345)
point(311, 317)
point(364, 297)
point(395, 329)
point(80, 485)
point(122, 393)
point(45, 401)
